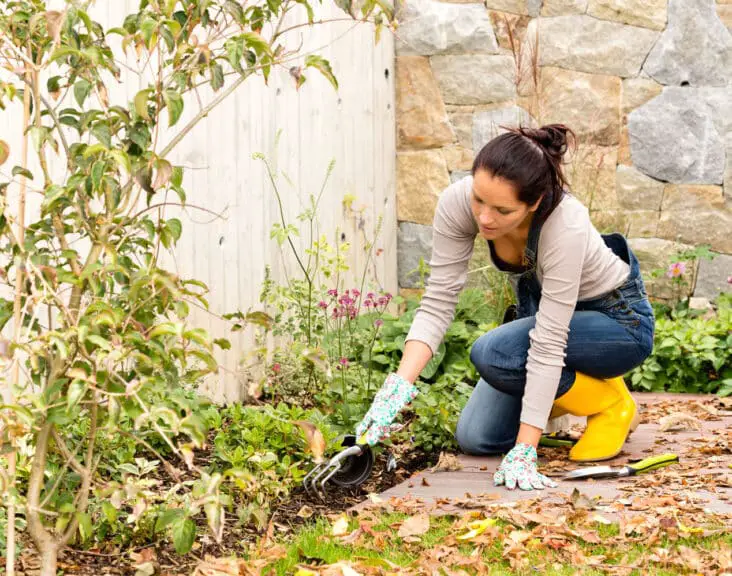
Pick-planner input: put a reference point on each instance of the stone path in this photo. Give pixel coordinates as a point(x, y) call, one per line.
point(702, 478)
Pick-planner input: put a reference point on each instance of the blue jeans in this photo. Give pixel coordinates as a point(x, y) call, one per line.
point(608, 337)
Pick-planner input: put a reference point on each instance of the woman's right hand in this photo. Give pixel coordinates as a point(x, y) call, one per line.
point(391, 398)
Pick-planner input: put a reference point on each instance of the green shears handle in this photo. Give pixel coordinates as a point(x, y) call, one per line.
point(652, 463)
point(553, 441)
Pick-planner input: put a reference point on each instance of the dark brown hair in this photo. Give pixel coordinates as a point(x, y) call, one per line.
point(531, 159)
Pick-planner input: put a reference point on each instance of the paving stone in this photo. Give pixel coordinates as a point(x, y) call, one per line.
point(476, 477)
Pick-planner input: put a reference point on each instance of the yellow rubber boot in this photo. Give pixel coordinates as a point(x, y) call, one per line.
point(611, 416)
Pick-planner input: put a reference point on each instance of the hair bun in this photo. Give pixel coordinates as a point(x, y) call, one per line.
point(554, 139)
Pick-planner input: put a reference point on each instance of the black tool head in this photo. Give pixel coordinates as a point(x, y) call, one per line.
point(354, 470)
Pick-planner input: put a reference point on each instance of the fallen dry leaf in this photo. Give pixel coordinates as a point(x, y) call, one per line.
point(580, 501)
point(340, 526)
point(211, 566)
point(447, 463)
point(414, 526)
point(314, 438)
point(305, 512)
point(679, 421)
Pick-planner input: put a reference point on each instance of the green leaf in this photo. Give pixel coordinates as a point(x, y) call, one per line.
point(63, 51)
point(174, 102)
point(323, 66)
point(256, 42)
point(20, 171)
point(217, 76)
point(222, 343)
point(97, 173)
point(141, 99)
point(102, 133)
point(168, 517)
point(184, 534)
point(85, 526)
point(177, 177)
point(76, 392)
point(175, 227)
point(81, 90)
point(110, 512)
point(235, 10)
point(166, 328)
point(147, 28)
point(100, 342)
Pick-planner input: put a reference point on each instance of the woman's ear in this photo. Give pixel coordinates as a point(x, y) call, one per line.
point(535, 207)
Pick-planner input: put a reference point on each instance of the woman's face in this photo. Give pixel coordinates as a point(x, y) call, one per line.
point(495, 205)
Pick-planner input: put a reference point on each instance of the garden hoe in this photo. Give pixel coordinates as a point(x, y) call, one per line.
point(350, 467)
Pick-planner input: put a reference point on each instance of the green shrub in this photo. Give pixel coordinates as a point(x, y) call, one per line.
point(264, 454)
point(692, 352)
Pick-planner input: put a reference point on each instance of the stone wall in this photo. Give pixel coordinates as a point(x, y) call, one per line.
point(645, 84)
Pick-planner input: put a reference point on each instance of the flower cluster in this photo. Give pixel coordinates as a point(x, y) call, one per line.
point(345, 305)
point(377, 303)
point(676, 270)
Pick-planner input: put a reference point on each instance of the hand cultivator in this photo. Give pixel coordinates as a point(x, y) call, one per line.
point(350, 467)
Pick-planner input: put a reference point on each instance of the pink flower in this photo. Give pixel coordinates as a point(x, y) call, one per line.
point(333, 292)
point(676, 270)
point(729, 279)
point(370, 295)
point(276, 367)
point(322, 304)
point(356, 293)
point(378, 322)
point(343, 362)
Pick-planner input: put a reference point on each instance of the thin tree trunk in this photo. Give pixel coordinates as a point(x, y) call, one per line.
point(17, 315)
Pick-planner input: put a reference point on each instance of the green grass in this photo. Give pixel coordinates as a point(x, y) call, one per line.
point(314, 544)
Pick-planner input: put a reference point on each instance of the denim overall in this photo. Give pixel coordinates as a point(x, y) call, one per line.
point(608, 336)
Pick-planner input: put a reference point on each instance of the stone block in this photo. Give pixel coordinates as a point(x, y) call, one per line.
point(586, 44)
point(644, 13)
point(642, 223)
point(692, 197)
point(458, 157)
point(563, 7)
point(487, 124)
point(678, 136)
point(636, 191)
point(588, 103)
point(428, 27)
point(713, 276)
point(591, 175)
point(421, 178)
point(695, 49)
point(421, 116)
point(462, 125)
point(698, 227)
point(414, 242)
point(475, 78)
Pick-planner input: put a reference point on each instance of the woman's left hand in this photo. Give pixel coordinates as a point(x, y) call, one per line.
point(519, 468)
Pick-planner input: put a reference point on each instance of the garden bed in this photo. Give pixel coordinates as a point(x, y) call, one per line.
point(296, 511)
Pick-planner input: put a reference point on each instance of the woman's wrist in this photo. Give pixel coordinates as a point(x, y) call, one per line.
point(528, 434)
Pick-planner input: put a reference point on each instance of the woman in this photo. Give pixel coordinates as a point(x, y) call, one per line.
point(582, 318)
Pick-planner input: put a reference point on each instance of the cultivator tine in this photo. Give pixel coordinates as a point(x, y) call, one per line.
point(323, 472)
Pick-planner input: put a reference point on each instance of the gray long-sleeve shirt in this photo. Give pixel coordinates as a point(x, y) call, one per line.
point(573, 264)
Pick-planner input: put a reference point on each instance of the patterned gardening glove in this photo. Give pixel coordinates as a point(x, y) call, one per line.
point(519, 467)
point(394, 395)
